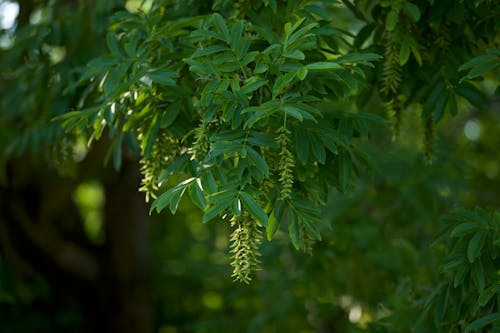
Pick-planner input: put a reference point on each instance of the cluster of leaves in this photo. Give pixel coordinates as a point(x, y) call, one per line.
point(253, 104)
point(469, 299)
point(40, 65)
point(425, 43)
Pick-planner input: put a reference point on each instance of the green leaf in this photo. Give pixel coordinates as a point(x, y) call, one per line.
point(412, 11)
point(293, 111)
point(295, 54)
point(404, 53)
point(113, 45)
point(478, 275)
point(282, 82)
point(236, 207)
point(257, 160)
point(460, 275)
point(472, 94)
point(254, 209)
point(302, 73)
point(275, 219)
point(482, 68)
point(482, 322)
point(196, 194)
point(477, 61)
point(209, 50)
point(170, 114)
point(221, 25)
point(488, 294)
point(253, 84)
point(170, 197)
point(391, 20)
point(323, 66)
point(475, 245)
point(345, 169)
point(261, 139)
point(163, 77)
point(358, 57)
point(464, 229)
point(214, 211)
point(236, 32)
point(176, 198)
point(293, 229)
point(312, 229)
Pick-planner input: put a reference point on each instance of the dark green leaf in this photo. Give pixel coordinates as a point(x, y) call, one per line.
point(254, 209)
point(257, 160)
point(412, 11)
point(323, 66)
point(209, 50)
point(293, 229)
point(236, 207)
point(214, 211)
point(391, 20)
point(196, 194)
point(475, 245)
point(482, 322)
point(487, 294)
point(464, 229)
point(163, 77)
point(345, 170)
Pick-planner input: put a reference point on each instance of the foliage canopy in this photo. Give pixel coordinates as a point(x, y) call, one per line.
point(261, 112)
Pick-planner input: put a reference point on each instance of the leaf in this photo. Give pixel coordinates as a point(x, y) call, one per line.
point(302, 146)
point(257, 160)
point(358, 57)
point(214, 211)
point(209, 50)
point(293, 111)
point(236, 207)
point(221, 25)
point(282, 82)
point(472, 94)
point(312, 229)
point(404, 53)
point(170, 114)
point(302, 73)
point(275, 219)
point(487, 294)
point(391, 20)
point(253, 85)
point(163, 77)
point(254, 209)
point(113, 45)
point(476, 61)
point(323, 66)
point(412, 11)
point(261, 139)
point(464, 229)
point(475, 245)
point(482, 322)
point(295, 54)
point(345, 167)
point(167, 197)
point(460, 275)
point(236, 32)
point(293, 229)
point(196, 194)
point(176, 198)
point(478, 275)
point(482, 68)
